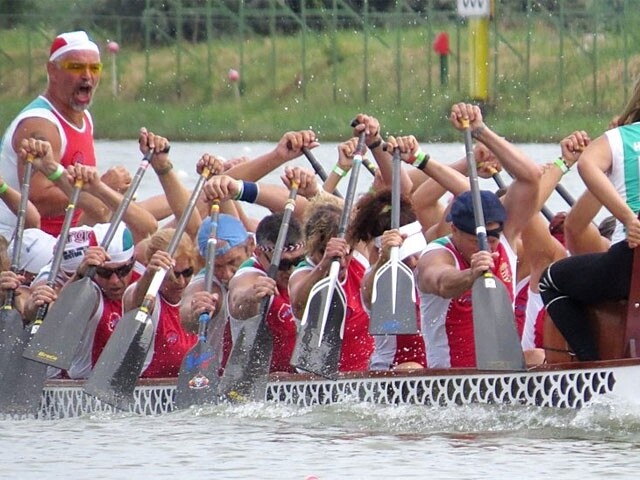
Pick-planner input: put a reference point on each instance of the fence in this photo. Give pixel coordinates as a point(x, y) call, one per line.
point(171, 51)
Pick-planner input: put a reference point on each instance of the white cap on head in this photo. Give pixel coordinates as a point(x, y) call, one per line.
point(37, 250)
point(67, 42)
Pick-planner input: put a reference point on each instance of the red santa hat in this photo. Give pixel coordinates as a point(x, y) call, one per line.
point(67, 42)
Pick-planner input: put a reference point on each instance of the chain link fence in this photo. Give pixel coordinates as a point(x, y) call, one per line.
point(181, 51)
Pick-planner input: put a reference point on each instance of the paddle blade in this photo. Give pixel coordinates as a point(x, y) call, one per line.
point(60, 335)
point(393, 301)
point(198, 377)
point(22, 380)
point(11, 329)
point(318, 351)
point(496, 337)
point(114, 376)
point(247, 370)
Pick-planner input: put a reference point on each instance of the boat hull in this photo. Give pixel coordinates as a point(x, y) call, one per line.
point(571, 385)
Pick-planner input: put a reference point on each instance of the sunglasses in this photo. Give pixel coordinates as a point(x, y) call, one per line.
point(495, 233)
point(120, 272)
point(186, 273)
point(79, 67)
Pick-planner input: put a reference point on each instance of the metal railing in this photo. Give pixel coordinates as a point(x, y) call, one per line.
point(534, 53)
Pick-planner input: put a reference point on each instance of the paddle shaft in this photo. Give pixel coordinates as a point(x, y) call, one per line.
point(351, 189)
point(156, 282)
point(393, 287)
point(371, 168)
point(59, 249)
point(334, 269)
point(212, 243)
point(250, 359)
point(318, 168)
point(496, 339)
point(20, 221)
point(289, 206)
point(478, 213)
point(116, 218)
point(395, 189)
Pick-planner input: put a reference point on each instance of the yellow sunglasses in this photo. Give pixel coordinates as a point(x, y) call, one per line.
point(78, 67)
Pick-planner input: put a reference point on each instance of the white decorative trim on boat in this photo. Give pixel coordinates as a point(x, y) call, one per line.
point(569, 386)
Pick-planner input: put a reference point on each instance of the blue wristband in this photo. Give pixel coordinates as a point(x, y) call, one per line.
point(249, 192)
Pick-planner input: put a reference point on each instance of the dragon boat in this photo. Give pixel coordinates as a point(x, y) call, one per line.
point(562, 385)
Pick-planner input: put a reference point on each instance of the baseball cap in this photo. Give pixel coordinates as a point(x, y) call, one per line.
point(36, 250)
point(461, 213)
point(231, 233)
point(80, 238)
point(121, 248)
point(67, 42)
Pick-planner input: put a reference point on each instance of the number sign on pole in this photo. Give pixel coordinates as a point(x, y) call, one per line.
point(474, 8)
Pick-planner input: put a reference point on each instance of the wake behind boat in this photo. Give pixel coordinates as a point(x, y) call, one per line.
point(568, 385)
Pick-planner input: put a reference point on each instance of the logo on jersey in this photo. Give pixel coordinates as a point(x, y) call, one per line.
point(171, 338)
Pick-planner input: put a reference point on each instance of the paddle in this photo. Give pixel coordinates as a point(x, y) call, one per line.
point(319, 340)
point(564, 193)
point(496, 338)
point(116, 372)
point(246, 372)
point(371, 168)
point(11, 324)
point(318, 168)
point(393, 298)
point(60, 337)
point(23, 379)
point(198, 376)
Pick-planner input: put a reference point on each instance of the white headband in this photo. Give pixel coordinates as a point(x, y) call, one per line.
point(414, 243)
point(67, 42)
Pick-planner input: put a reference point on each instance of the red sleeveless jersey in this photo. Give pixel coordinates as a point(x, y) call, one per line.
point(79, 148)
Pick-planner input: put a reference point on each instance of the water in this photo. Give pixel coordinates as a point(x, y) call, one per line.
point(355, 441)
point(350, 441)
point(185, 156)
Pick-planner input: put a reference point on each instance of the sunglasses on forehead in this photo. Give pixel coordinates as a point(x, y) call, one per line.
point(120, 272)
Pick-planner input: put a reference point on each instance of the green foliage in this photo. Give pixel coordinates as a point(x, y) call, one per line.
point(318, 77)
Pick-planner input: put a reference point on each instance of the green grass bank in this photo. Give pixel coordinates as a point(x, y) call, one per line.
point(182, 91)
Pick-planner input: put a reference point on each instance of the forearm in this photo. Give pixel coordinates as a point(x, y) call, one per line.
point(385, 163)
point(94, 210)
point(450, 284)
point(450, 179)
point(600, 186)
point(140, 221)
point(12, 199)
point(331, 183)
point(514, 160)
point(178, 198)
point(158, 206)
point(47, 198)
point(551, 176)
point(274, 197)
point(257, 168)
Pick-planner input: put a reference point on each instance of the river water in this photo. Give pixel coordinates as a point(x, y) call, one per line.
point(349, 441)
